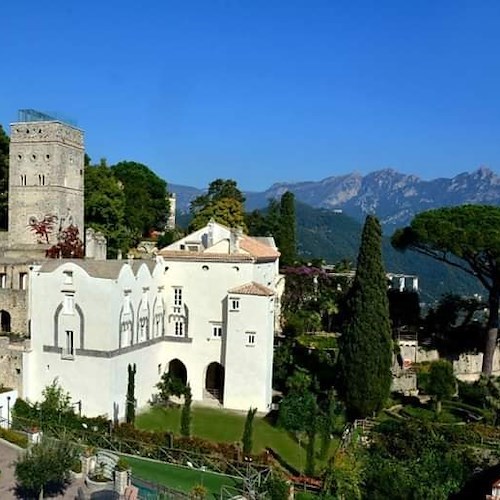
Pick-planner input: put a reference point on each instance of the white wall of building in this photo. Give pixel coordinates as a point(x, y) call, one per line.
point(123, 313)
point(7, 400)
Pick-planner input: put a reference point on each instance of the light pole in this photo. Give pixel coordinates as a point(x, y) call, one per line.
point(79, 404)
point(8, 412)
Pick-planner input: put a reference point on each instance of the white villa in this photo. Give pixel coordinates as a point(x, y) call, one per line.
point(203, 310)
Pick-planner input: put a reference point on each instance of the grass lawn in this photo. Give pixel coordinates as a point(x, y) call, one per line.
point(226, 426)
point(179, 478)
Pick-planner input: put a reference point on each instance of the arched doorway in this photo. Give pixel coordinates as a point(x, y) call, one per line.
point(214, 381)
point(4, 321)
point(177, 369)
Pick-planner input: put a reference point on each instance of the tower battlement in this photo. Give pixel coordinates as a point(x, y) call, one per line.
point(40, 132)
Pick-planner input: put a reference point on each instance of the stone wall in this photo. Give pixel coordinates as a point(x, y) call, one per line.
point(45, 178)
point(424, 355)
point(95, 245)
point(405, 382)
point(467, 366)
point(11, 364)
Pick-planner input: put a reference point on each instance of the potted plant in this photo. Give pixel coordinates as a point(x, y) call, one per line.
point(76, 469)
point(122, 465)
point(88, 460)
point(121, 476)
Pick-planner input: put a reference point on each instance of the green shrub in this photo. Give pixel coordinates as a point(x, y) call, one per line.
point(14, 437)
point(77, 466)
point(122, 465)
point(472, 394)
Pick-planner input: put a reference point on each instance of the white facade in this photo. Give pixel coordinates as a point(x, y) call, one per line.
point(204, 309)
point(7, 401)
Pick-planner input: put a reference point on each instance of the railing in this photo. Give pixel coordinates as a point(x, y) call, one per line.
point(154, 491)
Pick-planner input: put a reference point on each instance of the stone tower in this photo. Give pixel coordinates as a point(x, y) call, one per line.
point(45, 177)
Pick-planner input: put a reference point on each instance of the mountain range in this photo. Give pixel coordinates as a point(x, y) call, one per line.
point(330, 214)
point(394, 197)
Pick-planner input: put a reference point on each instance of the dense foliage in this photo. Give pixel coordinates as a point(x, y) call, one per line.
point(68, 246)
point(45, 469)
point(466, 237)
point(146, 202)
point(311, 299)
point(412, 459)
point(298, 409)
point(222, 203)
point(287, 234)
point(105, 207)
point(365, 354)
point(169, 385)
point(324, 234)
point(441, 382)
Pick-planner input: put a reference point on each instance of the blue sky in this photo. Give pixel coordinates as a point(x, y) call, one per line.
point(263, 90)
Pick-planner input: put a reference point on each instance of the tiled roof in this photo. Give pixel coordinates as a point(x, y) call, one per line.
point(106, 269)
point(205, 256)
point(258, 249)
point(252, 289)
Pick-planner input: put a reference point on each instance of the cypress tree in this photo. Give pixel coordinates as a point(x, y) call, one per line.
point(247, 438)
point(287, 241)
point(186, 413)
point(130, 403)
point(365, 347)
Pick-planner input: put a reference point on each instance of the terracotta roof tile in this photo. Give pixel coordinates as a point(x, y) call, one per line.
point(252, 288)
point(257, 248)
point(205, 256)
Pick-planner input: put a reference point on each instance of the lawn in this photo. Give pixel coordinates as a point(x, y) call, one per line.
point(179, 478)
point(226, 426)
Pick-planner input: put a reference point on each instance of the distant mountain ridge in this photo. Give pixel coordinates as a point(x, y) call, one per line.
point(394, 197)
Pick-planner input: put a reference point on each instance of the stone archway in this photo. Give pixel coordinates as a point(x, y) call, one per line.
point(177, 369)
point(214, 382)
point(5, 321)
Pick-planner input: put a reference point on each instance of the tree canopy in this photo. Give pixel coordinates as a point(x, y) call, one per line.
point(287, 233)
point(146, 202)
point(365, 354)
point(441, 382)
point(223, 203)
point(45, 468)
point(466, 237)
point(105, 206)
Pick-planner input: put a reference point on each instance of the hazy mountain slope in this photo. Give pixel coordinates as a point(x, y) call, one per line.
point(394, 197)
point(324, 234)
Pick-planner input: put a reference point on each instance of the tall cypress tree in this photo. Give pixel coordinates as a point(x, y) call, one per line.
point(247, 438)
point(365, 354)
point(186, 413)
point(130, 403)
point(287, 241)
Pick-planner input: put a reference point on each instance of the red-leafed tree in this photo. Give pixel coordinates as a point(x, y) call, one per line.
point(43, 228)
point(69, 246)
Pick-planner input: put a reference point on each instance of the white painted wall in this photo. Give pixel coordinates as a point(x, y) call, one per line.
point(7, 400)
point(98, 375)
